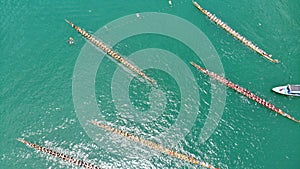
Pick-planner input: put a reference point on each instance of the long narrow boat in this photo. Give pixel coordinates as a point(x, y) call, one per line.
point(152, 145)
point(235, 34)
point(60, 155)
point(109, 51)
point(244, 92)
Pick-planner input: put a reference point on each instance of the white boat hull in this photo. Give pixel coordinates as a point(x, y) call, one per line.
point(285, 91)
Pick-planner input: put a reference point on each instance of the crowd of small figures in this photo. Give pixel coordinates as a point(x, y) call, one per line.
point(60, 155)
point(244, 92)
point(110, 52)
point(153, 145)
point(235, 34)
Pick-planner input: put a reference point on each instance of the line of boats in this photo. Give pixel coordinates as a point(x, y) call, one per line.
point(126, 135)
point(292, 90)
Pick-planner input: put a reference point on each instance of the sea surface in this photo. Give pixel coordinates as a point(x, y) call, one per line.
point(39, 74)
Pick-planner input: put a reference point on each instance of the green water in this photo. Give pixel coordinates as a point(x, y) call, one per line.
point(37, 65)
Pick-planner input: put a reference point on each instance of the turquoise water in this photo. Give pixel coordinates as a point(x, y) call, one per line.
point(37, 66)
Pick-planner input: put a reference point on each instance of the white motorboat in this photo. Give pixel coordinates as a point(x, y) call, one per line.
point(290, 90)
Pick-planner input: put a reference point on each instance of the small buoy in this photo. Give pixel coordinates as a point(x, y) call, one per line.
point(137, 15)
point(170, 2)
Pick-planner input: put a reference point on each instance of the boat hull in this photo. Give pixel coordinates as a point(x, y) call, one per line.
point(284, 91)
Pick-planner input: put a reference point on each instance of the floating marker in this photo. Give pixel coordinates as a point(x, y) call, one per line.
point(153, 145)
point(244, 92)
point(60, 155)
point(235, 34)
point(109, 51)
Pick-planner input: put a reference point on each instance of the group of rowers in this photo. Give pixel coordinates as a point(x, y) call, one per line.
point(110, 52)
point(234, 33)
point(249, 94)
point(60, 155)
point(153, 145)
point(244, 92)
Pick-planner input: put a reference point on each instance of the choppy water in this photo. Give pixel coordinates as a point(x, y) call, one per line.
point(37, 66)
